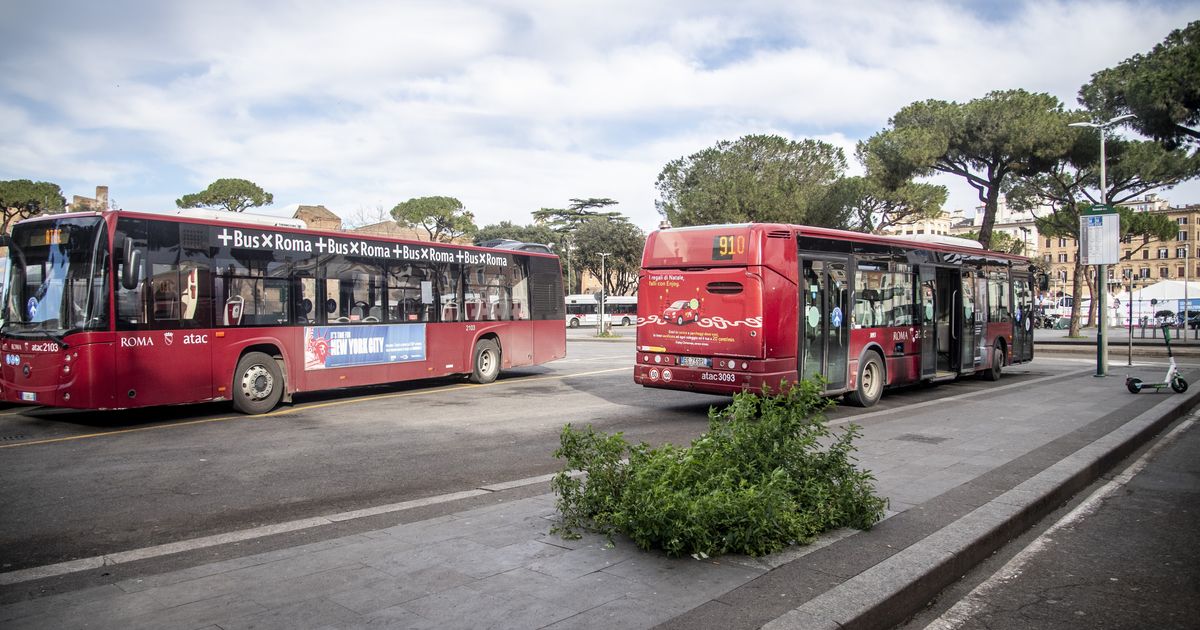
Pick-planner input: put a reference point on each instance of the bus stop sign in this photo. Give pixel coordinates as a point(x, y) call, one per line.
point(1100, 236)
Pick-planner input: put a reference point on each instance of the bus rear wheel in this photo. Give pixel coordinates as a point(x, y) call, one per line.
point(869, 386)
point(257, 384)
point(993, 372)
point(624, 321)
point(574, 323)
point(485, 362)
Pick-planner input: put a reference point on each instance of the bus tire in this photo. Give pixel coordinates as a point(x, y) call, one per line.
point(574, 323)
point(624, 321)
point(869, 385)
point(257, 384)
point(485, 362)
point(993, 372)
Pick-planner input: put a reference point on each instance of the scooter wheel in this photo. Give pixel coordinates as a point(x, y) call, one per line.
point(1179, 385)
point(1134, 385)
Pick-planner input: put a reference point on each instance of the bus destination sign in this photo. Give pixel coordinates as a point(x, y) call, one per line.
point(727, 246)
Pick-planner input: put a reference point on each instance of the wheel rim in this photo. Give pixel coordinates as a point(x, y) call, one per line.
point(871, 381)
point(487, 362)
point(257, 383)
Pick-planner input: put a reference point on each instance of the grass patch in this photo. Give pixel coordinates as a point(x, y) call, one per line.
point(768, 474)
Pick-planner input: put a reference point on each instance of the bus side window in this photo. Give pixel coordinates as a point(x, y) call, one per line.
point(166, 293)
point(305, 300)
point(519, 286)
point(448, 292)
point(132, 305)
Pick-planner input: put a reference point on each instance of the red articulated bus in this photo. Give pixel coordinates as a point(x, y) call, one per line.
point(726, 308)
point(120, 309)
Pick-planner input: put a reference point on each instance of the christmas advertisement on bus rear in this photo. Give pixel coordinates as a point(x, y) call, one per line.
point(348, 346)
point(699, 313)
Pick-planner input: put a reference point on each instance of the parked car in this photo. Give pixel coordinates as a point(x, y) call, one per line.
point(1192, 318)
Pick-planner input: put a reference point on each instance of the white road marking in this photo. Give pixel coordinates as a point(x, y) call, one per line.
point(938, 401)
point(87, 564)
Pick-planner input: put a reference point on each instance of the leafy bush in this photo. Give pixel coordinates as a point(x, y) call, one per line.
point(759, 480)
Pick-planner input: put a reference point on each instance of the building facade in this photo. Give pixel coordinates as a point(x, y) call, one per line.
point(1019, 224)
point(1144, 260)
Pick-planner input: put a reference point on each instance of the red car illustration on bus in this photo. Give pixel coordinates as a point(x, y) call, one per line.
point(683, 311)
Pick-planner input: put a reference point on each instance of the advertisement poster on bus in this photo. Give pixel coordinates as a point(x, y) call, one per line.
point(700, 312)
point(348, 346)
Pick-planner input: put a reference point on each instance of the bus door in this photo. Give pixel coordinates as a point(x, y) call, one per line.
point(926, 310)
point(981, 337)
point(825, 319)
point(948, 313)
point(967, 343)
point(1022, 317)
point(163, 352)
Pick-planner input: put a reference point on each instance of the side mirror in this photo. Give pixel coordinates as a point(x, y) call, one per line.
point(130, 265)
point(1043, 282)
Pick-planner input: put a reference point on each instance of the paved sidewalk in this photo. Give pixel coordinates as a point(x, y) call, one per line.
point(963, 474)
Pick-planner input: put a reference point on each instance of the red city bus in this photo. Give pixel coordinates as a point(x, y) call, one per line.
point(726, 308)
point(121, 309)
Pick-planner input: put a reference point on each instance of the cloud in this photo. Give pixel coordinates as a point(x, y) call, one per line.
point(510, 105)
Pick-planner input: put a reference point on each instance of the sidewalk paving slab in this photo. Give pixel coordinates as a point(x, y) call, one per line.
point(963, 475)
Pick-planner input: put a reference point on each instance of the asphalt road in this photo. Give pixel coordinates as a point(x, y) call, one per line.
point(79, 485)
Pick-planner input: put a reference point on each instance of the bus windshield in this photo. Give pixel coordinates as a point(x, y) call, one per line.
point(58, 277)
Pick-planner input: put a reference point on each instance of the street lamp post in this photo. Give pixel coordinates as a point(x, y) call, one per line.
point(1102, 271)
point(1130, 300)
point(603, 288)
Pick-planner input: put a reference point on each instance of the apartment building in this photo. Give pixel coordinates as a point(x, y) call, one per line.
point(1019, 224)
point(1144, 260)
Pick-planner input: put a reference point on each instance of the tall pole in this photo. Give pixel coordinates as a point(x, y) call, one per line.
point(1130, 317)
point(570, 282)
point(1102, 269)
point(603, 289)
point(1102, 273)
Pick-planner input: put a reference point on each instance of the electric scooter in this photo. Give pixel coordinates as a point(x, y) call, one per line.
point(1173, 379)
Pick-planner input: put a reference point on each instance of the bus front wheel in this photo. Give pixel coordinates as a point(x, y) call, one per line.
point(485, 365)
point(574, 323)
point(870, 382)
point(257, 384)
point(625, 321)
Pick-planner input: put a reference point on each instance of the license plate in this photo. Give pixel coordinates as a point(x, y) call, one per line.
point(29, 396)
point(695, 361)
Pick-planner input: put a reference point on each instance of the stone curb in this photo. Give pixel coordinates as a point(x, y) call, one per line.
point(900, 586)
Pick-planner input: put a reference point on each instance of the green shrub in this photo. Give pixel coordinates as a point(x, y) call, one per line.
point(768, 473)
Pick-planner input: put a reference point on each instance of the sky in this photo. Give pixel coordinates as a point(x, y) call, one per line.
point(507, 105)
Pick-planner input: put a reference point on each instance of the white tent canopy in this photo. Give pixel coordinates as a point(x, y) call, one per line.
point(1167, 295)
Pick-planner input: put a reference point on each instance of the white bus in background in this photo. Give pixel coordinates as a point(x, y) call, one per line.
point(621, 310)
point(584, 310)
